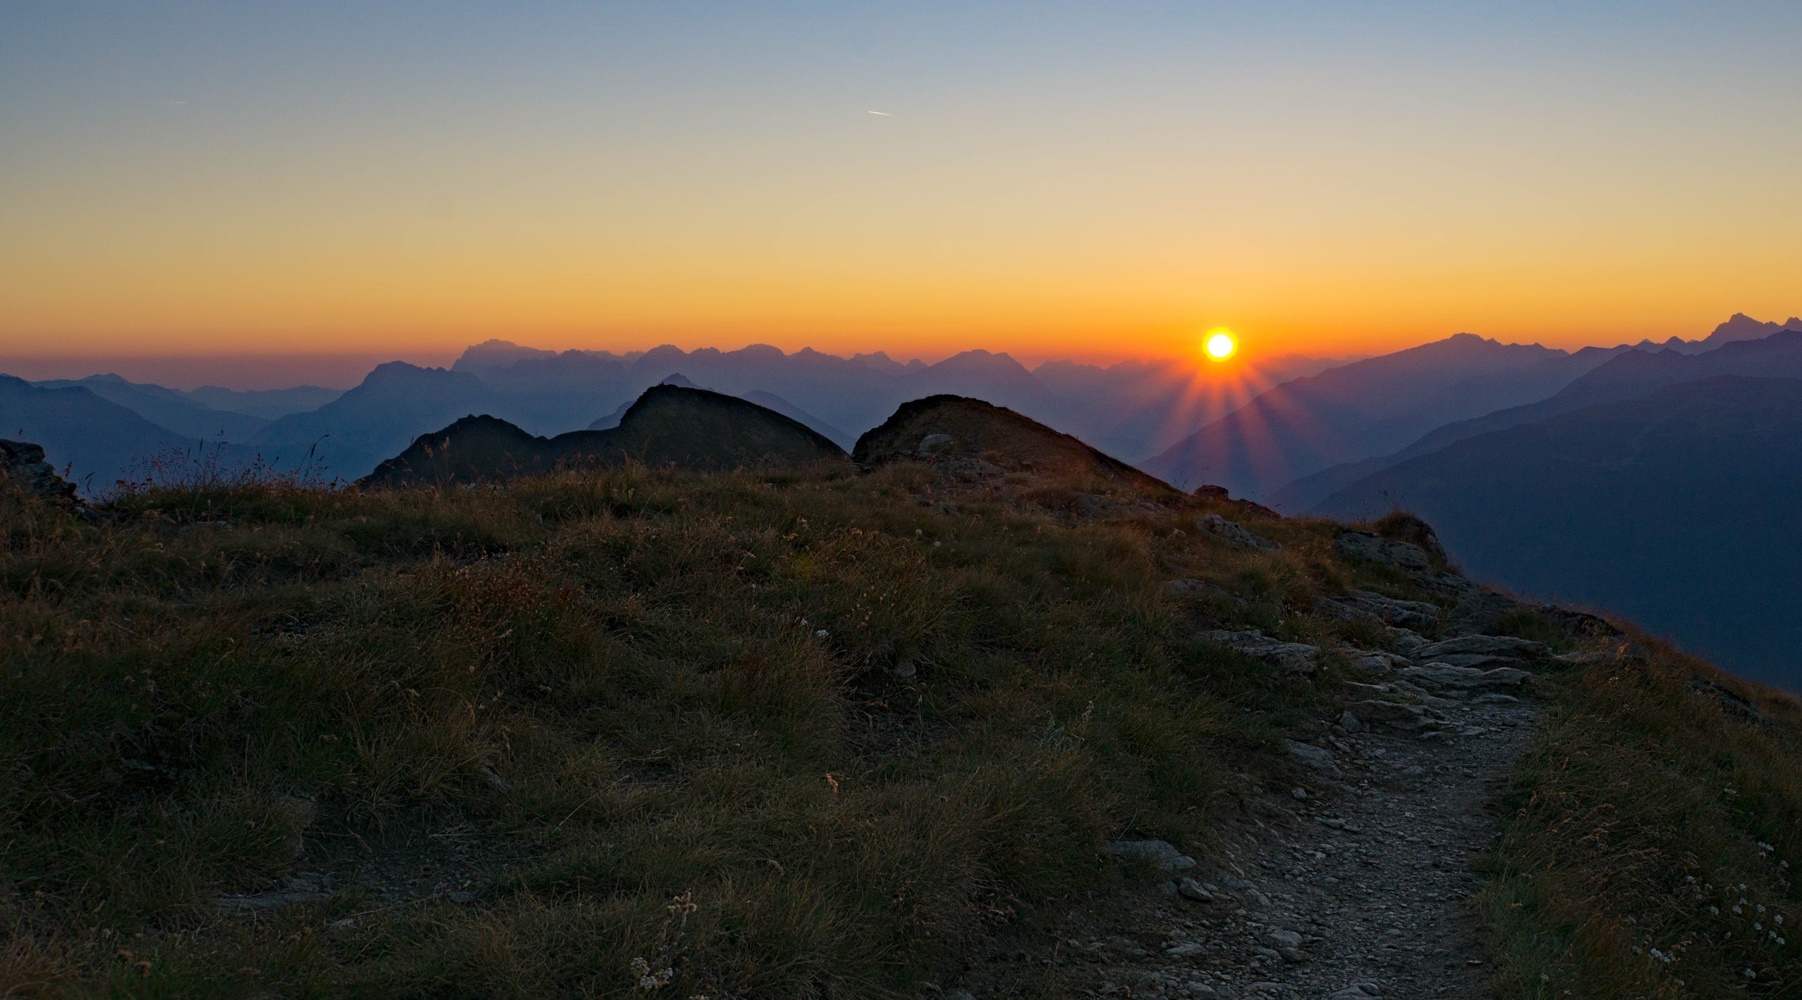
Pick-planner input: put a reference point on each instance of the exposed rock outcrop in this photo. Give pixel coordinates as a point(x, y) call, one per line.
point(1369, 547)
point(22, 464)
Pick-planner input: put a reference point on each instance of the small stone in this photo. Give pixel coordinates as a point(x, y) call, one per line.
point(1188, 888)
point(1286, 939)
point(1299, 793)
point(1349, 722)
point(1162, 854)
point(1313, 756)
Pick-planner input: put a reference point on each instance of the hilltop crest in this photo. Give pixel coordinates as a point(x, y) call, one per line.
point(669, 425)
point(974, 439)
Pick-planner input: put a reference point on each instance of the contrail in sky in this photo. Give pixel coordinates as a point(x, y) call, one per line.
point(884, 114)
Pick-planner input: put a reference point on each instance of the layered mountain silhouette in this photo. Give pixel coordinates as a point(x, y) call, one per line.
point(394, 404)
point(1677, 508)
point(167, 408)
point(1370, 407)
point(1129, 408)
point(97, 440)
point(669, 425)
point(268, 404)
point(1627, 375)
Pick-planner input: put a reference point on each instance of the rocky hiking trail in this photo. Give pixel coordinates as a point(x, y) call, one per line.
point(1354, 884)
point(1359, 881)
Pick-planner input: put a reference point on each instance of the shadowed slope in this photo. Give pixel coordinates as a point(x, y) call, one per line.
point(1677, 508)
point(669, 425)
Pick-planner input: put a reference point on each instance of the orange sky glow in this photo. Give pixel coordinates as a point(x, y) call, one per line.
point(1073, 187)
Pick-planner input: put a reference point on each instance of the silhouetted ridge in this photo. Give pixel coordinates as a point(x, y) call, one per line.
point(668, 425)
point(948, 428)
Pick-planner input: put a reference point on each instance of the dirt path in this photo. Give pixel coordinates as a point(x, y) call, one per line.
point(1355, 885)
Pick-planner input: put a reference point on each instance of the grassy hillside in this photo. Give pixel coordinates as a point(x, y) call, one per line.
point(746, 735)
point(1650, 839)
point(788, 737)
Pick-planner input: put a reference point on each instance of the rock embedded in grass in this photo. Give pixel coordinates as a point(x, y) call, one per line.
point(1293, 657)
point(1161, 854)
point(1366, 606)
point(1363, 545)
point(1235, 534)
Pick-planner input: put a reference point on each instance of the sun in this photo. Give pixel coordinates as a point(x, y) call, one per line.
point(1221, 344)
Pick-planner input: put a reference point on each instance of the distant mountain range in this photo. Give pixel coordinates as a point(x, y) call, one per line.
point(1524, 456)
point(98, 441)
point(1370, 407)
point(1626, 375)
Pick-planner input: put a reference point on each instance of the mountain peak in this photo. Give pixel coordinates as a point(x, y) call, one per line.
point(1739, 326)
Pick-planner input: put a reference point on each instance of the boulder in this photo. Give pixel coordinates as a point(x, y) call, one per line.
point(1405, 556)
point(1233, 533)
point(1411, 528)
point(1294, 657)
point(22, 464)
point(1312, 756)
point(1365, 606)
